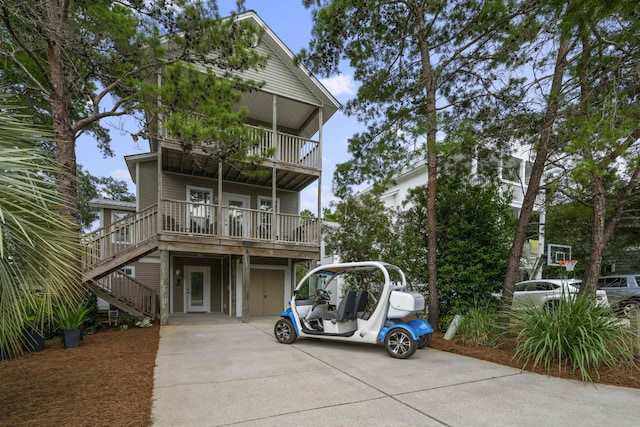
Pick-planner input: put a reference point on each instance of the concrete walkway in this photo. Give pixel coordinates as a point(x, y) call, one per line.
point(217, 371)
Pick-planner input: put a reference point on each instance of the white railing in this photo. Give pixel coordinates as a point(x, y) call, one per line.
point(288, 149)
point(190, 218)
point(202, 219)
point(129, 290)
point(119, 236)
point(196, 219)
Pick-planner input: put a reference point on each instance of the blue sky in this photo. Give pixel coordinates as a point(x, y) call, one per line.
point(292, 23)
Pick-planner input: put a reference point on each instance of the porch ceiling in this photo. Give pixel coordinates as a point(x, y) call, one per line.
point(300, 118)
point(287, 178)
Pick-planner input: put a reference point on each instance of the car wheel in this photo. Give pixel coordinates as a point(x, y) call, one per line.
point(284, 331)
point(424, 340)
point(400, 344)
point(628, 307)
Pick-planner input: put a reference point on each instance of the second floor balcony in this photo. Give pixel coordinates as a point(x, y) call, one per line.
point(296, 161)
point(207, 227)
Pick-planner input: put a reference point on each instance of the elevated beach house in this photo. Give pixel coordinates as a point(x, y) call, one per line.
point(204, 236)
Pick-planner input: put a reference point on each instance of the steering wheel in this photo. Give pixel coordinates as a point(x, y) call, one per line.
point(323, 295)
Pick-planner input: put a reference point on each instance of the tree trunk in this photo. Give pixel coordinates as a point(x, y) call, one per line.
point(542, 153)
point(432, 166)
point(597, 236)
point(61, 116)
point(603, 227)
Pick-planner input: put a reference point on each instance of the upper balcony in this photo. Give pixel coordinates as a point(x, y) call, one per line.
point(296, 161)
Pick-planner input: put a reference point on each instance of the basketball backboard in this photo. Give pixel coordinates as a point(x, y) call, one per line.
point(556, 253)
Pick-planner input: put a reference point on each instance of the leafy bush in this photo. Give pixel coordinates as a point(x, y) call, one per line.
point(479, 327)
point(575, 334)
point(69, 317)
point(126, 322)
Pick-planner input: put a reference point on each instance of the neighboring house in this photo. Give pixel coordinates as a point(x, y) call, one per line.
point(513, 173)
point(203, 236)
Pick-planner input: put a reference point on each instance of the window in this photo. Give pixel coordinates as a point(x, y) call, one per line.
point(265, 205)
point(200, 210)
point(121, 227)
point(613, 282)
point(129, 270)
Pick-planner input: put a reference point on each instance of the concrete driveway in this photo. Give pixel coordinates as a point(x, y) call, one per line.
point(229, 373)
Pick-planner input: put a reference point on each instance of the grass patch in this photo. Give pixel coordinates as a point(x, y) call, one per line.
point(479, 328)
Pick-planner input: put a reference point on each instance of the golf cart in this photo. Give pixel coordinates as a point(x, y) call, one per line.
point(382, 310)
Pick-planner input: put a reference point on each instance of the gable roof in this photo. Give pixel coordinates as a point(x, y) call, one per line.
point(299, 93)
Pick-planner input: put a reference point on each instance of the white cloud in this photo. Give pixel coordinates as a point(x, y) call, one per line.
point(340, 85)
point(123, 175)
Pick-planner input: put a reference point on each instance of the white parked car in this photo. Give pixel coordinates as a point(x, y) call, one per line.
point(547, 292)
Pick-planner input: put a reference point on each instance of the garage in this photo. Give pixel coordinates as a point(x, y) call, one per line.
point(266, 294)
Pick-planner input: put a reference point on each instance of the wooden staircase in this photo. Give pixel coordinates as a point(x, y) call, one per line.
point(108, 249)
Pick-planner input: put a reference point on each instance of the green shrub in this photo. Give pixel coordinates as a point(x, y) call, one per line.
point(70, 316)
point(126, 322)
point(479, 327)
point(576, 334)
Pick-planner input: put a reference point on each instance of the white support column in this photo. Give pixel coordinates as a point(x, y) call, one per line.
point(319, 225)
point(219, 213)
point(274, 170)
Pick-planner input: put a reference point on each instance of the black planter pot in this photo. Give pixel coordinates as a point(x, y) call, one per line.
point(34, 340)
point(71, 338)
point(5, 354)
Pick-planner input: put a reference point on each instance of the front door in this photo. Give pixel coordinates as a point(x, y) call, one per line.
point(197, 288)
point(236, 221)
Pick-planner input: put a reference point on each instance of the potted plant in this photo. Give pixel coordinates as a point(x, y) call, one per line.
point(34, 335)
point(70, 320)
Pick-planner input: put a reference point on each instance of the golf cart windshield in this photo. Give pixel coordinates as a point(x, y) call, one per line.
point(318, 280)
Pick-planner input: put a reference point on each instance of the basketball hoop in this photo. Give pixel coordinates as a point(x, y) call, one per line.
point(569, 264)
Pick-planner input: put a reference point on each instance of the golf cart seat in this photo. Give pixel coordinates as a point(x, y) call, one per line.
point(345, 309)
point(361, 304)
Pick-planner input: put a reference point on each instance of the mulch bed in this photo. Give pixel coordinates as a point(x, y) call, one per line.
point(108, 380)
point(503, 355)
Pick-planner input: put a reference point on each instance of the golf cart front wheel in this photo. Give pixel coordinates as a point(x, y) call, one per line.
point(424, 340)
point(284, 331)
point(400, 344)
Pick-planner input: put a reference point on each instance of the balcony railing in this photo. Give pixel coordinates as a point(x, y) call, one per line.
point(119, 236)
point(289, 149)
point(237, 223)
point(283, 148)
point(199, 219)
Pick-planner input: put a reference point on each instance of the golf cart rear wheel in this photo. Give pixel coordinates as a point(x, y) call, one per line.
point(424, 340)
point(400, 344)
point(284, 331)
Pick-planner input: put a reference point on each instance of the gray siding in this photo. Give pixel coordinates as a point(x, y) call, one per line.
point(279, 78)
point(148, 272)
point(147, 184)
